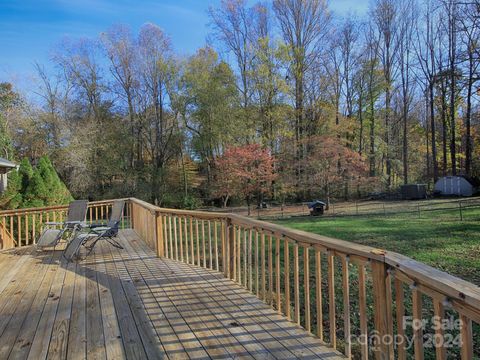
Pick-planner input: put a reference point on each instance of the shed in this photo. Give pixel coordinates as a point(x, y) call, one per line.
point(316, 207)
point(456, 185)
point(5, 167)
point(413, 191)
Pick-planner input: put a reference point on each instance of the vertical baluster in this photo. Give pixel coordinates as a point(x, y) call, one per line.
point(165, 236)
point(175, 236)
point(362, 295)
point(331, 300)
point(180, 236)
point(270, 270)
point(234, 251)
point(215, 234)
point(96, 213)
point(19, 230)
point(239, 255)
point(277, 275)
point(204, 250)
point(124, 215)
point(26, 230)
point(318, 294)
point(250, 267)
point(11, 230)
point(257, 273)
point(227, 252)
point(417, 317)
point(187, 255)
point(346, 306)
point(4, 232)
point(170, 236)
point(197, 239)
point(400, 314)
point(210, 252)
point(306, 277)
point(262, 259)
point(286, 262)
point(54, 215)
point(296, 284)
point(245, 261)
point(466, 337)
point(192, 248)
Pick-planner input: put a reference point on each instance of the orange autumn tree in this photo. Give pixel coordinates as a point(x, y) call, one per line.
point(332, 167)
point(245, 172)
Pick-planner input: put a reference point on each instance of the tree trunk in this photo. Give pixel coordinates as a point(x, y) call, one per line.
point(468, 116)
point(433, 132)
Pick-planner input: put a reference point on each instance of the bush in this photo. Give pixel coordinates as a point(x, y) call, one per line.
point(35, 187)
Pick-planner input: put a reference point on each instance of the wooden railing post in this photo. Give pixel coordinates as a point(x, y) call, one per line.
point(132, 214)
point(383, 346)
point(230, 241)
point(159, 235)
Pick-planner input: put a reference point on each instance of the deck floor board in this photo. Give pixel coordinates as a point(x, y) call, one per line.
point(129, 304)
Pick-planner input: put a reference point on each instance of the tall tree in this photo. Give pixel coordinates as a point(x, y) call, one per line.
point(304, 26)
point(121, 50)
point(470, 36)
point(404, 56)
point(385, 17)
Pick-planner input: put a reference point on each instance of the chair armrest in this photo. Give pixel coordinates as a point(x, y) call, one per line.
point(93, 226)
point(53, 223)
point(100, 228)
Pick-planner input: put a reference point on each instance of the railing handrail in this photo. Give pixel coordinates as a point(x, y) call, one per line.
point(51, 208)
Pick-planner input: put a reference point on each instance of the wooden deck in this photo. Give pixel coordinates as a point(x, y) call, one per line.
point(130, 304)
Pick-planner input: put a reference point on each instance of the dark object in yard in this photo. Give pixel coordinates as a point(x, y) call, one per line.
point(413, 191)
point(377, 195)
point(316, 207)
point(262, 205)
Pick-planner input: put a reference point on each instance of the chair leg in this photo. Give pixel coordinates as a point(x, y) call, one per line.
point(114, 243)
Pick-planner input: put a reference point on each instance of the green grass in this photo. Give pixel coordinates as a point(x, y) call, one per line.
point(437, 238)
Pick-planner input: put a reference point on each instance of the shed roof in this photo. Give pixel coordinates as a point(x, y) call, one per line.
point(7, 163)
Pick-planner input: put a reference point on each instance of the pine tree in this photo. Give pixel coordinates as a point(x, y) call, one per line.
point(36, 192)
point(25, 171)
point(12, 197)
point(57, 191)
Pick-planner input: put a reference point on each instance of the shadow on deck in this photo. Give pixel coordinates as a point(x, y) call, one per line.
point(130, 304)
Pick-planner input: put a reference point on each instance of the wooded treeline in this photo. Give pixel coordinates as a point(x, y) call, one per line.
point(342, 106)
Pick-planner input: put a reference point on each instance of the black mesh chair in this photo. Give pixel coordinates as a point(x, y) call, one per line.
point(55, 231)
point(97, 232)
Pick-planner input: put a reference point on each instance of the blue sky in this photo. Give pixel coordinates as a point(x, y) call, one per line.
point(29, 29)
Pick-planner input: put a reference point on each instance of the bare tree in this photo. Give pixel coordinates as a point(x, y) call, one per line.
point(156, 71)
point(385, 17)
point(404, 56)
point(233, 23)
point(304, 26)
point(121, 50)
point(425, 53)
point(470, 31)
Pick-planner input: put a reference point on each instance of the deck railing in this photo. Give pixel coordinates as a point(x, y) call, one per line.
point(362, 301)
point(365, 302)
point(20, 227)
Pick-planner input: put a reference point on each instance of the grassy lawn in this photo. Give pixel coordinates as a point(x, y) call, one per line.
point(437, 238)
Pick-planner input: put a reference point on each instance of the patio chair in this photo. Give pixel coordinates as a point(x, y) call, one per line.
point(96, 233)
point(55, 231)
